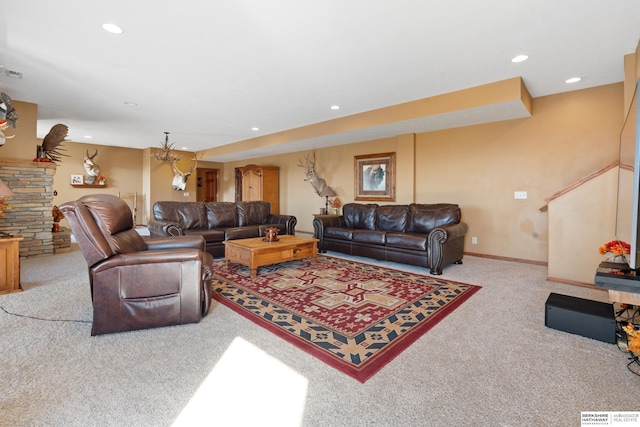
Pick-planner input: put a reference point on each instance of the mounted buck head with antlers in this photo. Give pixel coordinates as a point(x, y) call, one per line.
point(179, 177)
point(93, 170)
point(317, 183)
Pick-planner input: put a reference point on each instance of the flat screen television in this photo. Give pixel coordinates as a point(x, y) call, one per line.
point(626, 277)
point(628, 201)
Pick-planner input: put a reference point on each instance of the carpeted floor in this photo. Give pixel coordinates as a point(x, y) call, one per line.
point(491, 362)
point(355, 317)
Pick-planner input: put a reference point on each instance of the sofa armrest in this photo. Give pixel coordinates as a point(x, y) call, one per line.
point(289, 221)
point(446, 244)
point(322, 222)
point(175, 242)
point(159, 228)
point(450, 232)
point(168, 256)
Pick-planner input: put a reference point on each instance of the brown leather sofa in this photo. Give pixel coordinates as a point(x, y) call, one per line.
point(217, 221)
point(429, 235)
point(137, 283)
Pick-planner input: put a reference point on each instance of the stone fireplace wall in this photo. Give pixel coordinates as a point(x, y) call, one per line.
point(30, 214)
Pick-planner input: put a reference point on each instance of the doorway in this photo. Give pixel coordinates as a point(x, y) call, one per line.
point(207, 185)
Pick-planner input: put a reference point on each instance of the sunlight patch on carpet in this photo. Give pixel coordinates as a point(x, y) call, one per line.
point(353, 316)
point(244, 374)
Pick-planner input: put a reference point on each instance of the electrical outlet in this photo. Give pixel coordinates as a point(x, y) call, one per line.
point(474, 240)
point(186, 194)
point(520, 195)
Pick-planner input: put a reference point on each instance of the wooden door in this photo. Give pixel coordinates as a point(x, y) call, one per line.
point(211, 185)
point(207, 188)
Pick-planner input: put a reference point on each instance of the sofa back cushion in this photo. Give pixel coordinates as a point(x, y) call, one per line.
point(188, 215)
point(253, 213)
point(221, 214)
point(425, 218)
point(358, 215)
point(392, 218)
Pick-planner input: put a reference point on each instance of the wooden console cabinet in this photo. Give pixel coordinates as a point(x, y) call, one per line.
point(10, 264)
point(262, 183)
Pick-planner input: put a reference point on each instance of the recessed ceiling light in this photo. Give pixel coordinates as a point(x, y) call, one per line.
point(255, 128)
point(335, 107)
point(88, 136)
point(519, 58)
point(573, 80)
point(112, 28)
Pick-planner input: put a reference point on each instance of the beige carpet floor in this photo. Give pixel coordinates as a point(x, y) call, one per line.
point(491, 362)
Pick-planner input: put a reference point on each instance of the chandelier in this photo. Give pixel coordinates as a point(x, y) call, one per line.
point(166, 153)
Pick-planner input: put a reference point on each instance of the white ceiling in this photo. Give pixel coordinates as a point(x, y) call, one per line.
point(207, 71)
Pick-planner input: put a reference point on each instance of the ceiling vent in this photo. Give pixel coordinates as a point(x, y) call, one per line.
point(14, 74)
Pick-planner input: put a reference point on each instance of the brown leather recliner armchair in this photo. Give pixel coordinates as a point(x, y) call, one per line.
point(138, 283)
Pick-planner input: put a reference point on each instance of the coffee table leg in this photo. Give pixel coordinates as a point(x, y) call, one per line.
point(254, 273)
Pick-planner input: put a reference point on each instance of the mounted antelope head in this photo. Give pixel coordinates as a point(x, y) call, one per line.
point(309, 165)
point(92, 169)
point(179, 177)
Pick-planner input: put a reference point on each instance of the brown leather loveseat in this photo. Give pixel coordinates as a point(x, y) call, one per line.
point(217, 221)
point(429, 235)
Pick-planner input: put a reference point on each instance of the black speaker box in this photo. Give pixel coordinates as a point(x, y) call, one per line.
point(591, 319)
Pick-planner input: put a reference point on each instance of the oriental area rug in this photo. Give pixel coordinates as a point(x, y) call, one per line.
point(353, 316)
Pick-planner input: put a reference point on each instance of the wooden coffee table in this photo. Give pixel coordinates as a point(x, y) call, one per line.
point(256, 252)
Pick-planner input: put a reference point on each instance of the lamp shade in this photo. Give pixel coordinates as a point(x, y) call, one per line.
point(327, 192)
point(4, 190)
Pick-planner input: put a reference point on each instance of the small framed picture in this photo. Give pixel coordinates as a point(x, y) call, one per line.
point(76, 179)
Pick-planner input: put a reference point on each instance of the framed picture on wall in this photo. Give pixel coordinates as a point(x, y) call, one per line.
point(375, 177)
point(76, 179)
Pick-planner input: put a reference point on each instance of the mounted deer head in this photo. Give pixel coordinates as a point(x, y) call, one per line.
point(309, 165)
point(92, 169)
point(8, 116)
point(179, 177)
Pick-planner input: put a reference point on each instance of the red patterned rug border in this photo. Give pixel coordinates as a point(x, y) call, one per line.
point(372, 365)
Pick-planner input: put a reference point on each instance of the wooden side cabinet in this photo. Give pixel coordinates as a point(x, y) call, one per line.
point(262, 183)
point(10, 264)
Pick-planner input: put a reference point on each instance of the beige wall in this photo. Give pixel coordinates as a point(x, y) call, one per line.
point(23, 144)
point(580, 221)
point(479, 167)
point(120, 166)
point(569, 136)
point(129, 172)
point(336, 166)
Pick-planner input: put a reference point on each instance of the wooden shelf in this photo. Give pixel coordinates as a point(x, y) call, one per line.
point(88, 185)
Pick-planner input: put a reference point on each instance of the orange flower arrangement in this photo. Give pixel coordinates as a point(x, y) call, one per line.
point(3, 207)
point(633, 339)
point(616, 247)
point(57, 214)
